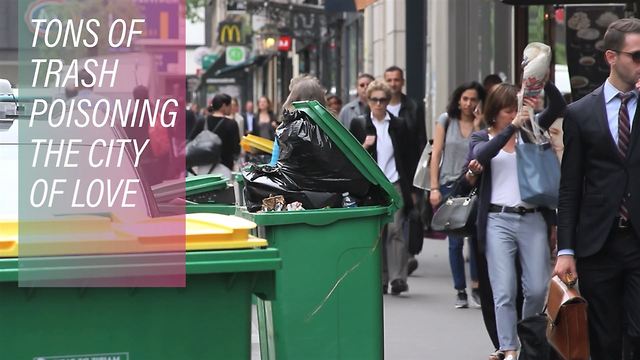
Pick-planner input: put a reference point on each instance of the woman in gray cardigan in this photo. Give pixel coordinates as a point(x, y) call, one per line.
point(508, 227)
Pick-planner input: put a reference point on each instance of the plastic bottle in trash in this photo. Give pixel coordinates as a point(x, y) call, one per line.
point(348, 201)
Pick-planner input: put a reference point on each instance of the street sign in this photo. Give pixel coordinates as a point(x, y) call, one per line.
point(208, 60)
point(284, 43)
point(230, 33)
point(218, 81)
point(235, 55)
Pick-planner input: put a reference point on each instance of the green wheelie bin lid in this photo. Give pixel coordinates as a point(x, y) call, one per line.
point(352, 149)
point(195, 185)
point(207, 193)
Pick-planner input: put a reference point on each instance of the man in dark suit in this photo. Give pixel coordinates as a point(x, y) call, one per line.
point(248, 117)
point(599, 205)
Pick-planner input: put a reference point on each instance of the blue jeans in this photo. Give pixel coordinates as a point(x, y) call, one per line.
point(456, 259)
point(510, 236)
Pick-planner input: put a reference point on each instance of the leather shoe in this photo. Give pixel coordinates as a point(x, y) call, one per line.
point(412, 265)
point(398, 286)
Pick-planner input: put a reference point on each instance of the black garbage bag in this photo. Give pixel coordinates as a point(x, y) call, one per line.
point(263, 181)
point(311, 161)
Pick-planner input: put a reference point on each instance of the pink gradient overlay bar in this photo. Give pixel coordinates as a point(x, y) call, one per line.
point(90, 157)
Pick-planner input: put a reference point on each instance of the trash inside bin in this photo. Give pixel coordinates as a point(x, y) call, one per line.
point(311, 169)
point(329, 293)
point(208, 319)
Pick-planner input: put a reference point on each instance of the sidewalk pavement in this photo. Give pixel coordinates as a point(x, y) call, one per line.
point(424, 324)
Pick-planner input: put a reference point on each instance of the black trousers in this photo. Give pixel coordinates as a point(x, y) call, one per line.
point(610, 282)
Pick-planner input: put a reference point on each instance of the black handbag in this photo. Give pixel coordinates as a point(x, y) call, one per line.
point(205, 148)
point(414, 231)
point(456, 215)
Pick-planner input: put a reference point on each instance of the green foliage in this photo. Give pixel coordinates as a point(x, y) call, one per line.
point(192, 9)
point(536, 23)
point(560, 53)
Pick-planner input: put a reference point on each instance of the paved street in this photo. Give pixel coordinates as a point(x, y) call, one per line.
point(424, 324)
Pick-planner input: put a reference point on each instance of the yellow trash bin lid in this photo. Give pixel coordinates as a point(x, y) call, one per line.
point(256, 142)
point(84, 235)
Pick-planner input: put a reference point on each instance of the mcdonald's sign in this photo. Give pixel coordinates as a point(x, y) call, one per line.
point(230, 33)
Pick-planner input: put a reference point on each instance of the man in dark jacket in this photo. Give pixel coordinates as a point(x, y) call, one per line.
point(402, 106)
point(413, 113)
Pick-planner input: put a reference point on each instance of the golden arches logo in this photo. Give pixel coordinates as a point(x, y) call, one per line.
point(229, 34)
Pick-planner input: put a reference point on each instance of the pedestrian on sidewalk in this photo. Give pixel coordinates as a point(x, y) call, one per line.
point(507, 226)
point(599, 210)
point(334, 104)
point(384, 136)
point(264, 122)
point(402, 106)
point(219, 122)
point(358, 106)
point(248, 116)
point(448, 157)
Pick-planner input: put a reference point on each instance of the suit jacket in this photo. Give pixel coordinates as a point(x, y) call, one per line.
point(404, 151)
point(248, 118)
point(351, 110)
point(413, 113)
point(594, 177)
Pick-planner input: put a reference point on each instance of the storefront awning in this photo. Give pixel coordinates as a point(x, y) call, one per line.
point(256, 60)
point(560, 2)
point(346, 5)
point(211, 70)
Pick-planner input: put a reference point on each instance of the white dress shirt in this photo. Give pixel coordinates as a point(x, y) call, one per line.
point(613, 107)
point(384, 148)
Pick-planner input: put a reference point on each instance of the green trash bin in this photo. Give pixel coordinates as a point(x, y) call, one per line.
point(208, 319)
point(207, 193)
point(212, 194)
point(329, 291)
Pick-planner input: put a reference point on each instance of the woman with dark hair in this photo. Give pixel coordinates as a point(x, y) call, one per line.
point(508, 228)
point(448, 158)
point(227, 130)
point(264, 122)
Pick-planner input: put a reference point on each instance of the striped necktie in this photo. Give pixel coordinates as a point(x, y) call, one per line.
point(624, 134)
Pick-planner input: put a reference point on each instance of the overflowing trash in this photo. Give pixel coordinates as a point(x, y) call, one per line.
point(263, 181)
point(311, 170)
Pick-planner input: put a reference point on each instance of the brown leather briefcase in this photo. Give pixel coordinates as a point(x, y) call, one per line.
point(567, 330)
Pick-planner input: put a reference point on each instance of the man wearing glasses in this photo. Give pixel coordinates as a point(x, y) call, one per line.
point(599, 204)
point(384, 136)
point(358, 106)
